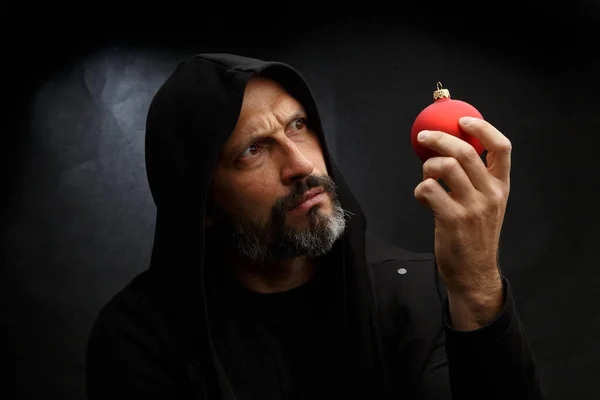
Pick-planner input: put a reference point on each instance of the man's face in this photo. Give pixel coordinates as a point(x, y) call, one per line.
point(269, 163)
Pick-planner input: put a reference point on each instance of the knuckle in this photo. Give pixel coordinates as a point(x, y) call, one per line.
point(497, 197)
point(422, 188)
point(506, 147)
point(481, 213)
point(431, 165)
point(469, 155)
point(450, 165)
point(428, 185)
point(461, 215)
point(427, 165)
point(486, 125)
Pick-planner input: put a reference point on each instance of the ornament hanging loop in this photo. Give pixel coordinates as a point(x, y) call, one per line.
point(440, 93)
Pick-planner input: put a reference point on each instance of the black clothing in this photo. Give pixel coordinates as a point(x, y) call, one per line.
point(359, 330)
point(286, 331)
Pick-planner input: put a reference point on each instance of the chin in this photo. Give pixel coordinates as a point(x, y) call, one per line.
point(311, 219)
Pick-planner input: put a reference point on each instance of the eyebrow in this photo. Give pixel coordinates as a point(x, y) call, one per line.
point(257, 134)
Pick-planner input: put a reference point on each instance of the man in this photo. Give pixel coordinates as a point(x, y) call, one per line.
point(264, 283)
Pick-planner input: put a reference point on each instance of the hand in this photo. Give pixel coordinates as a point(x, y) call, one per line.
point(469, 217)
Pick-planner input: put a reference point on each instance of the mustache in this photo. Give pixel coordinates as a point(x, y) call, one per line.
point(301, 187)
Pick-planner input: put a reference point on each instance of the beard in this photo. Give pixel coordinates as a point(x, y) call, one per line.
point(274, 240)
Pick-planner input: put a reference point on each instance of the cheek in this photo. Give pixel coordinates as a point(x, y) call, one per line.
point(315, 154)
point(254, 197)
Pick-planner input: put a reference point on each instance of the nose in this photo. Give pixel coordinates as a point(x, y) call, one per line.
point(296, 165)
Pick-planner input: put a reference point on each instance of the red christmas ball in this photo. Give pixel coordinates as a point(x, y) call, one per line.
point(443, 115)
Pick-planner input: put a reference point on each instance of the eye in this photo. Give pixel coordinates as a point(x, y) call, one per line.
point(250, 151)
point(299, 124)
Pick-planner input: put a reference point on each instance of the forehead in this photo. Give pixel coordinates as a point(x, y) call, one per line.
point(264, 99)
point(263, 95)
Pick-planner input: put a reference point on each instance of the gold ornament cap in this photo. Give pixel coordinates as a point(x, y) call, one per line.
point(441, 93)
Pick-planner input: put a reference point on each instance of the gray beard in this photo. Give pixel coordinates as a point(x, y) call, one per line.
point(270, 244)
point(274, 240)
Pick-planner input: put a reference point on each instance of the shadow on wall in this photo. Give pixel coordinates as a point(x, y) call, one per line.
point(84, 226)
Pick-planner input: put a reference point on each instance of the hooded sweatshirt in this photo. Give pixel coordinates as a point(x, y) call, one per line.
point(373, 323)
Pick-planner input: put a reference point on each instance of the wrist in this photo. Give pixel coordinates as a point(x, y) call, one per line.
point(472, 307)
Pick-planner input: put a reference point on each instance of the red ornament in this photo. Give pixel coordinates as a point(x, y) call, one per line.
point(443, 115)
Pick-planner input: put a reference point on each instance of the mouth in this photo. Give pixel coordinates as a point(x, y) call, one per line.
point(310, 198)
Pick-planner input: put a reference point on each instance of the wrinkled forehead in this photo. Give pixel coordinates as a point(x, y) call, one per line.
point(265, 102)
point(262, 95)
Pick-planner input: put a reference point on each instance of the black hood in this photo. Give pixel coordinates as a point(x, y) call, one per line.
point(189, 120)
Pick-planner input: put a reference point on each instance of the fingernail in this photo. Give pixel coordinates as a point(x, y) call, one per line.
point(423, 135)
point(466, 120)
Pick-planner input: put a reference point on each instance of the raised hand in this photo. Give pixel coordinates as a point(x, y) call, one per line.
point(468, 217)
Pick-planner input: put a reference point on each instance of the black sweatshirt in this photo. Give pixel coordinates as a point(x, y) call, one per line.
point(359, 329)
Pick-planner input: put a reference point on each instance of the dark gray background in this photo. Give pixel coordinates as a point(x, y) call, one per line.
point(78, 216)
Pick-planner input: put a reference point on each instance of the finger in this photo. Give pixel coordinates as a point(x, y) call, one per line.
point(432, 194)
point(453, 174)
point(498, 146)
point(452, 146)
